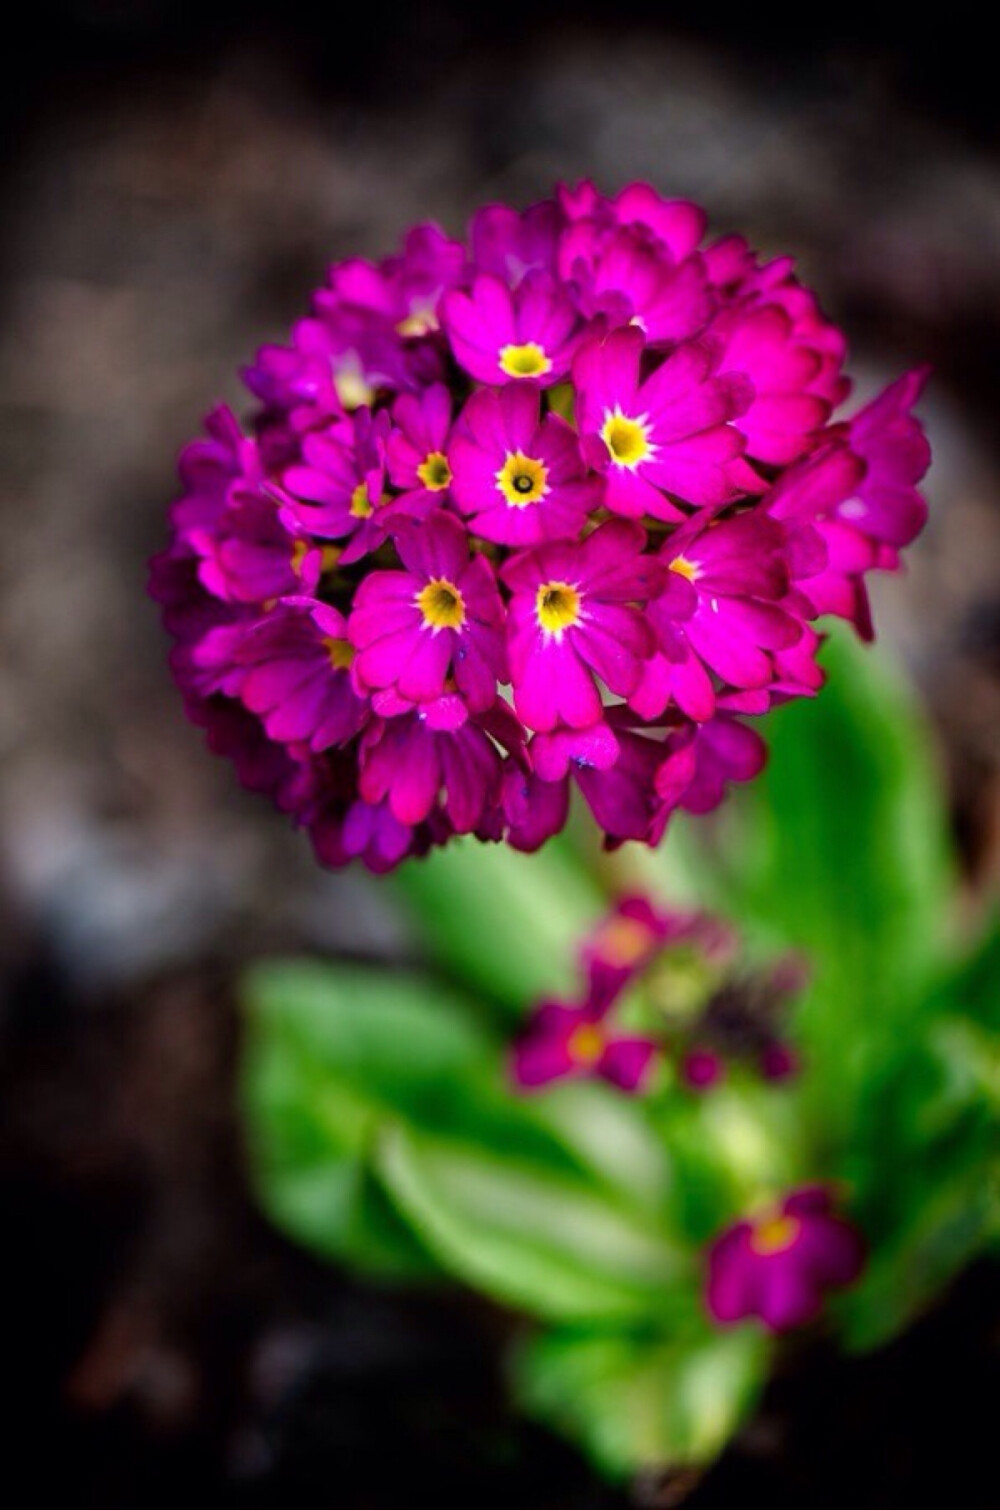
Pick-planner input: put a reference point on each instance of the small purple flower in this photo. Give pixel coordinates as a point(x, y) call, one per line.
point(338, 491)
point(677, 224)
point(510, 244)
point(292, 668)
point(498, 335)
point(720, 611)
point(667, 435)
point(630, 278)
point(577, 1042)
point(521, 478)
point(572, 617)
point(440, 617)
point(896, 454)
point(630, 936)
point(780, 1265)
point(417, 450)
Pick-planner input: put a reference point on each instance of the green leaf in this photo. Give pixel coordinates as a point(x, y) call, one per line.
point(640, 1402)
point(526, 1233)
point(506, 924)
point(331, 1052)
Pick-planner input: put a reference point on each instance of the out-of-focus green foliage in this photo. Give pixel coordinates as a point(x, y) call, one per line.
point(383, 1132)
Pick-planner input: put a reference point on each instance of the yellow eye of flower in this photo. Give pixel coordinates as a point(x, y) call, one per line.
point(434, 472)
point(627, 439)
point(341, 653)
point(685, 568)
point(522, 479)
point(557, 605)
point(361, 504)
point(352, 388)
point(774, 1234)
point(585, 1044)
point(622, 942)
point(528, 360)
point(441, 604)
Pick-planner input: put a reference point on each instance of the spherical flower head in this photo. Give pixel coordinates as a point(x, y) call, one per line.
point(550, 510)
point(779, 1265)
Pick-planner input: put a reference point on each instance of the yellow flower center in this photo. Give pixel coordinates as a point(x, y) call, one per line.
point(623, 941)
point(441, 604)
point(434, 471)
point(352, 387)
point(419, 322)
point(522, 479)
point(585, 1044)
point(774, 1234)
point(361, 504)
point(557, 606)
point(627, 439)
point(528, 360)
point(685, 568)
point(341, 653)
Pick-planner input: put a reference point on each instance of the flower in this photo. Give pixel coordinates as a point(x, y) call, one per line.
point(558, 506)
point(441, 616)
point(669, 434)
point(519, 476)
point(563, 1042)
point(779, 1265)
point(572, 617)
point(498, 335)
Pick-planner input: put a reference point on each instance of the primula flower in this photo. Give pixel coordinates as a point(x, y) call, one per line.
point(432, 459)
point(441, 616)
point(498, 335)
point(520, 476)
point(779, 1265)
point(667, 435)
point(572, 617)
point(719, 612)
point(292, 669)
point(563, 1042)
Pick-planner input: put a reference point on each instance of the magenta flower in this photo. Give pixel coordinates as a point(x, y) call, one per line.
point(440, 617)
point(889, 440)
point(719, 611)
point(338, 491)
point(417, 450)
point(633, 933)
point(631, 279)
point(780, 1265)
point(677, 224)
point(411, 760)
point(522, 479)
point(509, 244)
point(501, 336)
point(667, 435)
point(787, 412)
point(292, 668)
point(563, 1042)
point(572, 617)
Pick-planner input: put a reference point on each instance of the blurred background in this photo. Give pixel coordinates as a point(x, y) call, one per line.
point(175, 181)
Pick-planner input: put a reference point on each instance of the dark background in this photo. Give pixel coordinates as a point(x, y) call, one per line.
point(175, 179)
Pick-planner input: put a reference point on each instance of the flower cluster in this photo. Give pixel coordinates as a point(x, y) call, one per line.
point(659, 988)
point(779, 1264)
point(557, 504)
